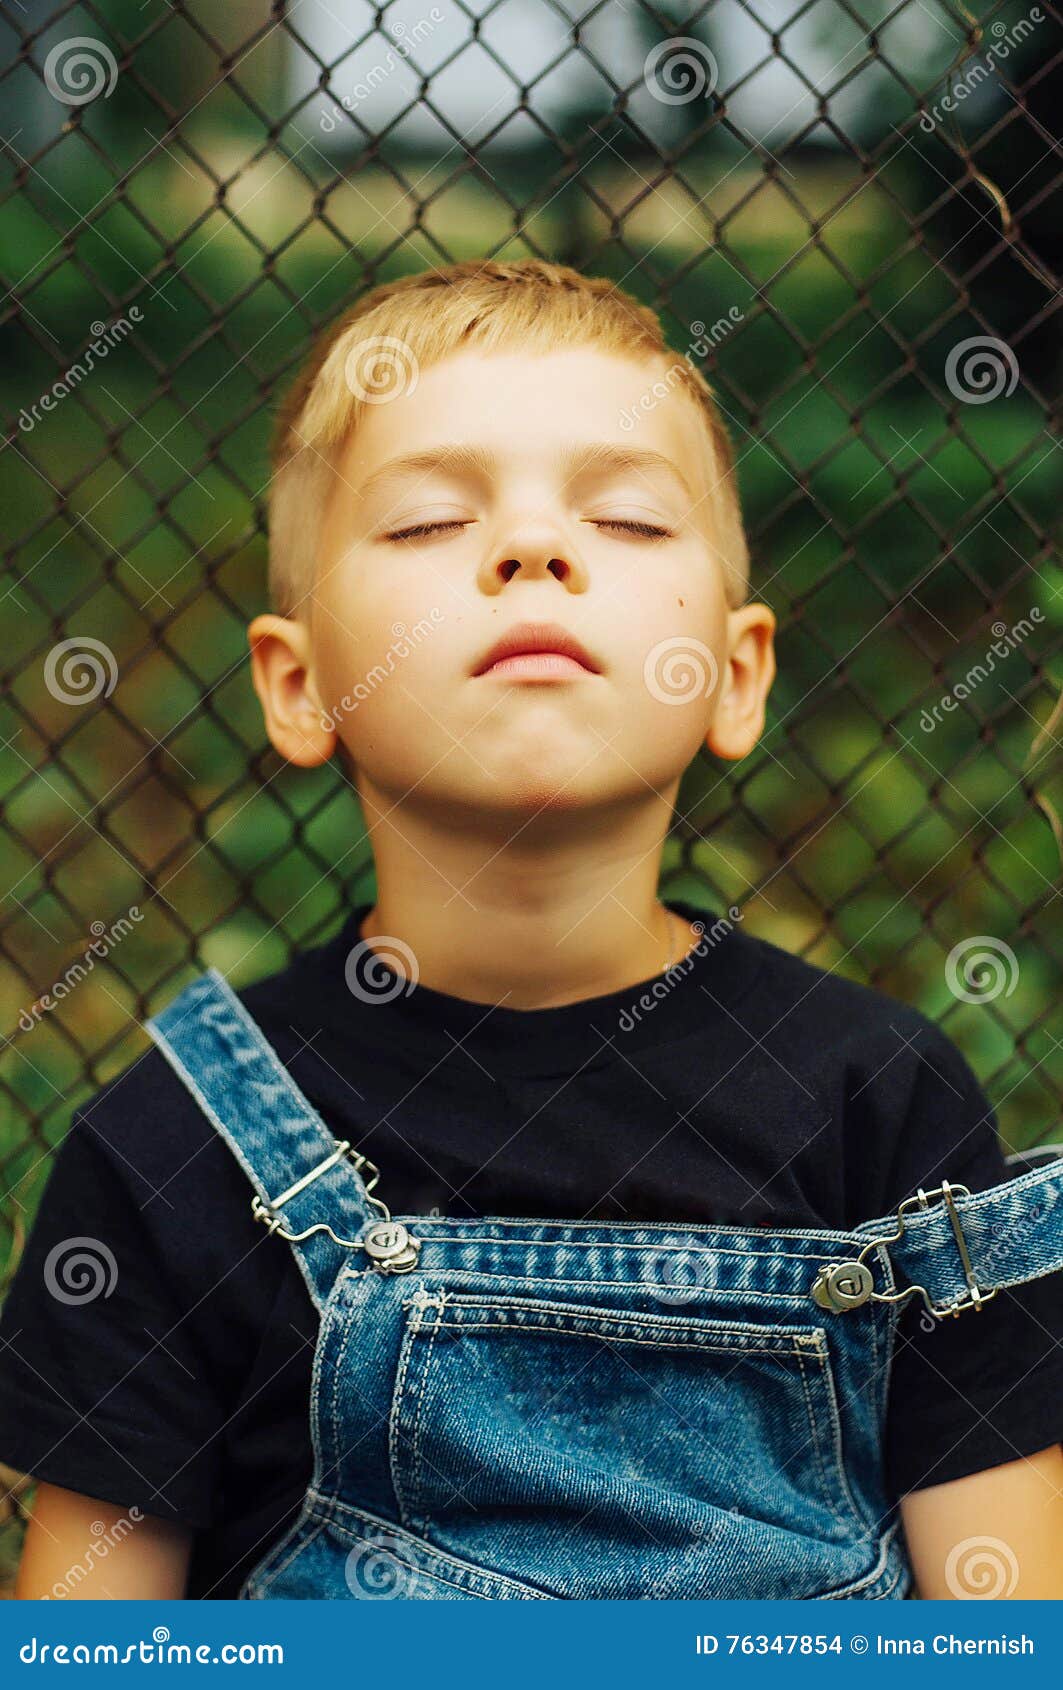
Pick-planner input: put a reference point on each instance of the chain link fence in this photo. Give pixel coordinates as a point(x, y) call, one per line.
point(848, 214)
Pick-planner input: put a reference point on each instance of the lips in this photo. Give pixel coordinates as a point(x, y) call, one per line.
point(537, 638)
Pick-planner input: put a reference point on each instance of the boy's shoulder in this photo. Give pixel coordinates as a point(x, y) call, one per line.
point(832, 1047)
point(817, 1014)
point(144, 1118)
point(274, 1002)
point(164, 1188)
point(830, 1016)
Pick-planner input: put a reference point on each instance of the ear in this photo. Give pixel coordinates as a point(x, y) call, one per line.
point(750, 669)
point(296, 720)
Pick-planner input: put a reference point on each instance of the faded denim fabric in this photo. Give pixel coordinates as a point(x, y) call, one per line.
point(539, 1409)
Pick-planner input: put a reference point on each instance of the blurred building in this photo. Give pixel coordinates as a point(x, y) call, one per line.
point(432, 83)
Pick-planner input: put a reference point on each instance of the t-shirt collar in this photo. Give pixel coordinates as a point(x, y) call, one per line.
point(380, 1006)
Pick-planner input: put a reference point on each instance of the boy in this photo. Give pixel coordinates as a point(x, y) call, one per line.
point(558, 1335)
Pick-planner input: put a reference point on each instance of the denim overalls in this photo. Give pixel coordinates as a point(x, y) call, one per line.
point(531, 1409)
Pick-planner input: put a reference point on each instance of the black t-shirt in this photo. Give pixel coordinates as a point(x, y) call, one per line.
point(756, 1089)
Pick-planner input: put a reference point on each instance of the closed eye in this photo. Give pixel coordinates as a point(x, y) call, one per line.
point(423, 528)
point(645, 530)
point(648, 530)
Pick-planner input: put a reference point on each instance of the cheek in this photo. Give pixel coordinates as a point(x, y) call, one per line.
point(387, 673)
point(370, 622)
point(674, 640)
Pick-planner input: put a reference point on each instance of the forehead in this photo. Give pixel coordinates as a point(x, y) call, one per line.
point(520, 406)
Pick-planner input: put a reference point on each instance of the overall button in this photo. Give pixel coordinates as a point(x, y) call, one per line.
point(842, 1285)
point(390, 1246)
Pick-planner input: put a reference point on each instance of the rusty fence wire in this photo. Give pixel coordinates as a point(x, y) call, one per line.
point(849, 214)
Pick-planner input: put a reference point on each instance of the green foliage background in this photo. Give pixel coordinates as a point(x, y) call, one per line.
point(892, 527)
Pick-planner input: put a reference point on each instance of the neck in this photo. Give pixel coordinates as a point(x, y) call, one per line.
point(530, 914)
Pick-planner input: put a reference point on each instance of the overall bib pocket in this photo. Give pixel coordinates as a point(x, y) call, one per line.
point(531, 1416)
point(613, 1453)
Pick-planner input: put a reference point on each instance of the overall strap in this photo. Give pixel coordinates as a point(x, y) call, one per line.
point(959, 1247)
point(307, 1182)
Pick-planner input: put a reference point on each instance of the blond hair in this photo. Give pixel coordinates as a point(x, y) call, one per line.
point(421, 319)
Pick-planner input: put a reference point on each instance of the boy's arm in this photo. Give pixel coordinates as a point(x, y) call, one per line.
point(62, 1554)
point(119, 1394)
point(997, 1533)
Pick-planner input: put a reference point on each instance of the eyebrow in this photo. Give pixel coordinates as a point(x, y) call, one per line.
point(570, 458)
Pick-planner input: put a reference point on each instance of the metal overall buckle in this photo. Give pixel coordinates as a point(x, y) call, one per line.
point(839, 1286)
point(390, 1245)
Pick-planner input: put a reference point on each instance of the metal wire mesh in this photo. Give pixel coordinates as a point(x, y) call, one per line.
point(859, 255)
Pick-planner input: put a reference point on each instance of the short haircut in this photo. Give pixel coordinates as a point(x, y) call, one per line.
point(419, 320)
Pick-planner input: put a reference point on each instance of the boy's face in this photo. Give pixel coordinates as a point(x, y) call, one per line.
point(623, 557)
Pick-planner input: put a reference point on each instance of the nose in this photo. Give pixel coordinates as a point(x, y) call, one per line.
point(534, 546)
